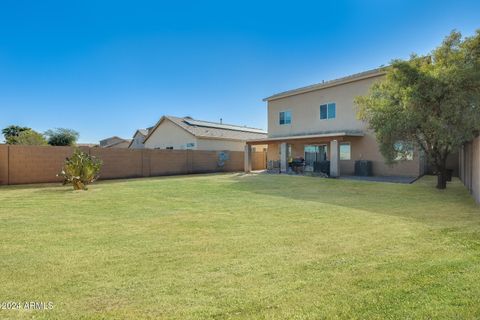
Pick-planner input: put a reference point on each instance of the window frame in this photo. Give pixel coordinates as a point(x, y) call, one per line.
point(346, 143)
point(404, 155)
point(284, 118)
point(327, 105)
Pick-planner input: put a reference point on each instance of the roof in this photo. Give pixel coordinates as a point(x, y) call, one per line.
point(325, 134)
point(143, 132)
point(331, 83)
point(213, 130)
point(117, 143)
point(91, 145)
point(112, 137)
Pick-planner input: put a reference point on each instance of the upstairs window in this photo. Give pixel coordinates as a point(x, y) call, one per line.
point(285, 117)
point(328, 111)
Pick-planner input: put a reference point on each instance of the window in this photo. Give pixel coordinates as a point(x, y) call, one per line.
point(345, 151)
point(285, 117)
point(323, 111)
point(328, 111)
point(331, 110)
point(404, 150)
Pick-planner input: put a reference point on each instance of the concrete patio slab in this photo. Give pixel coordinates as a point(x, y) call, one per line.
point(391, 179)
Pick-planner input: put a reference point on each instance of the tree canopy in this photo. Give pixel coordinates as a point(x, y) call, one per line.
point(31, 138)
point(62, 137)
point(432, 101)
point(11, 132)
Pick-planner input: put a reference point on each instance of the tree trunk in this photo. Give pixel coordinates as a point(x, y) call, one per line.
point(442, 174)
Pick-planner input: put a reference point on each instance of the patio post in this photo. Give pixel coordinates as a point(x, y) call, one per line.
point(334, 159)
point(247, 162)
point(283, 157)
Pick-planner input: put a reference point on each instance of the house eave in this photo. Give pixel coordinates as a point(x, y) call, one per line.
point(307, 136)
point(349, 79)
point(221, 138)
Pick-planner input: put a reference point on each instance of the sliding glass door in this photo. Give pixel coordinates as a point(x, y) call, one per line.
point(314, 153)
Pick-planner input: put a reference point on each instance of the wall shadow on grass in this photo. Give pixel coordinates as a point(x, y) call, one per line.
point(420, 201)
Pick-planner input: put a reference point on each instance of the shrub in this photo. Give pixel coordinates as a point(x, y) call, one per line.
point(80, 170)
point(62, 137)
point(29, 138)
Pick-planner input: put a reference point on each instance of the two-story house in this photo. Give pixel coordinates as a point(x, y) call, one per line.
point(319, 122)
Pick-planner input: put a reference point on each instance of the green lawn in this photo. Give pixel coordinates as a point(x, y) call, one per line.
point(236, 246)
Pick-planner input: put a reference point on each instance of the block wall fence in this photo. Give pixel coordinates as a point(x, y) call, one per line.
point(469, 163)
point(41, 164)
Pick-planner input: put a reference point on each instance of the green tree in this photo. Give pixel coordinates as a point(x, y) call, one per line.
point(11, 132)
point(432, 101)
point(62, 137)
point(31, 138)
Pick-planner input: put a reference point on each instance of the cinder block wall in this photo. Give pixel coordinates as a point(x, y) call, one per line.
point(3, 164)
point(235, 162)
point(119, 163)
point(469, 161)
point(34, 164)
point(168, 162)
point(205, 161)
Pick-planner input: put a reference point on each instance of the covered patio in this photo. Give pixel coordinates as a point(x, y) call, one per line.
point(310, 148)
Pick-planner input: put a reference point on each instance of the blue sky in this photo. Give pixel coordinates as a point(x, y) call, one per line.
point(107, 68)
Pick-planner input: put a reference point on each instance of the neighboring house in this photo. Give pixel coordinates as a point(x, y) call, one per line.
point(89, 145)
point(114, 142)
point(319, 122)
point(187, 133)
point(138, 139)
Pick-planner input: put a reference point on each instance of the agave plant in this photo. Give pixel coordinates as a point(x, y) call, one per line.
point(80, 170)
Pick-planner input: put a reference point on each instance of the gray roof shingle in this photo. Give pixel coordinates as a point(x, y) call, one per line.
point(213, 130)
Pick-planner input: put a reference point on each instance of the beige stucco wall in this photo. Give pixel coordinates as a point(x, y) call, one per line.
point(168, 134)
point(273, 152)
point(366, 148)
point(137, 142)
point(469, 159)
point(220, 144)
point(361, 148)
point(305, 110)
